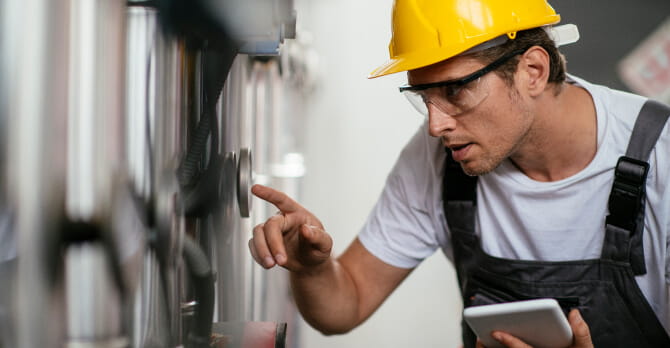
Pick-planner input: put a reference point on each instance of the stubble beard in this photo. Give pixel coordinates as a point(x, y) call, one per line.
point(488, 166)
point(495, 156)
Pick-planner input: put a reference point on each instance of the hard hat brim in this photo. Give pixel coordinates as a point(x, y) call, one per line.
point(406, 61)
point(416, 61)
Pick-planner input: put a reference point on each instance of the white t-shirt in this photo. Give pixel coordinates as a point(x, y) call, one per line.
point(520, 218)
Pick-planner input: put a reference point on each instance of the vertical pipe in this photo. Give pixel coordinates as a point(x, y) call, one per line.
point(93, 299)
point(140, 95)
point(95, 172)
point(95, 122)
point(36, 55)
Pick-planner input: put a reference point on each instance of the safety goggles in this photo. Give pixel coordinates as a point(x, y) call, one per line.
point(454, 97)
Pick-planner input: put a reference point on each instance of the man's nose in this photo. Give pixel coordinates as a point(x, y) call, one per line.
point(439, 122)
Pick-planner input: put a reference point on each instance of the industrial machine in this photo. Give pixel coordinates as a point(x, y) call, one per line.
point(130, 135)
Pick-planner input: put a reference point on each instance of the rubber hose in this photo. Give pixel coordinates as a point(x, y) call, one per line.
point(189, 168)
point(216, 65)
point(203, 284)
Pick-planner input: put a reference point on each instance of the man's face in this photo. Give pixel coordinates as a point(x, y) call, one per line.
point(482, 137)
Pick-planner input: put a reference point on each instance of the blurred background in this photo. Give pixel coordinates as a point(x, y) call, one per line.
point(131, 131)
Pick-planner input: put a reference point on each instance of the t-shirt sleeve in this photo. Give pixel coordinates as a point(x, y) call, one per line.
point(402, 228)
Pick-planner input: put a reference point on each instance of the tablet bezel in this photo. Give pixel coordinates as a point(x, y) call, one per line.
point(538, 322)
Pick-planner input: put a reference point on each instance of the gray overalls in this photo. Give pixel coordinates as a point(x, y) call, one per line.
point(604, 289)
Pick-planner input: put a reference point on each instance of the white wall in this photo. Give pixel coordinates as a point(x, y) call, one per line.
point(355, 129)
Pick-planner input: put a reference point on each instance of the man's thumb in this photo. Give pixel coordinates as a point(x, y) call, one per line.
point(316, 237)
point(309, 232)
point(580, 329)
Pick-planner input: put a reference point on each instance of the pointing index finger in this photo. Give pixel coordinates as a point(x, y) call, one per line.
point(278, 198)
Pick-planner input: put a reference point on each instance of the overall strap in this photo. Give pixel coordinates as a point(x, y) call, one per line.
point(459, 193)
point(625, 223)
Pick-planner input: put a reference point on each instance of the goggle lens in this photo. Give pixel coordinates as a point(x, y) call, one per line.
point(450, 99)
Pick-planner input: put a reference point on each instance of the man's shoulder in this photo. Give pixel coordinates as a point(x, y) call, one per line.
point(612, 99)
point(616, 110)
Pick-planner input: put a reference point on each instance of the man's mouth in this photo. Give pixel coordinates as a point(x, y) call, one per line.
point(460, 151)
point(458, 147)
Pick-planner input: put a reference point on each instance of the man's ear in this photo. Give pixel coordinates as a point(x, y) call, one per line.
point(535, 67)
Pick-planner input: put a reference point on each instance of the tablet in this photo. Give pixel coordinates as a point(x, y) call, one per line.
point(540, 323)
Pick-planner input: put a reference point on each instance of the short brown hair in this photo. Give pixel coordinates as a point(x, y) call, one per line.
point(526, 39)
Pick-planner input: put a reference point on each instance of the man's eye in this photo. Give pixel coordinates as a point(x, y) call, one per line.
point(452, 91)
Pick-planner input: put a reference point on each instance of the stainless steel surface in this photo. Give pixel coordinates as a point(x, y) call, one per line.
point(264, 80)
point(7, 232)
point(103, 343)
point(7, 277)
point(95, 122)
point(96, 175)
point(150, 313)
point(64, 59)
point(4, 114)
point(254, 120)
point(37, 105)
point(158, 91)
point(93, 298)
point(140, 93)
point(103, 106)
point(230, 250)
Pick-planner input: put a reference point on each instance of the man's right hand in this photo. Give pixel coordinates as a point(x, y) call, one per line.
point(293, 238)
point(333, 294)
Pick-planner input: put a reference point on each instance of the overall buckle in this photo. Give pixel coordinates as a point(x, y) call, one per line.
point(627, 194)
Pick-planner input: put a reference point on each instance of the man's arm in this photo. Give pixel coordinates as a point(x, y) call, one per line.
point(333, 295)
point(346, 291)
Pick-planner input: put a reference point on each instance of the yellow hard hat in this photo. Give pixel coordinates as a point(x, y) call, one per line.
point(429, 31)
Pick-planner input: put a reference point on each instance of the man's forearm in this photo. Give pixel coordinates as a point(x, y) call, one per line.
point(327, 298)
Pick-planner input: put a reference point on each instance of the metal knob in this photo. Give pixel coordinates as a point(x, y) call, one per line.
point(244, 182)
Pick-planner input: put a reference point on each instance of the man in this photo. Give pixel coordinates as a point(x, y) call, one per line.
point(524, 200)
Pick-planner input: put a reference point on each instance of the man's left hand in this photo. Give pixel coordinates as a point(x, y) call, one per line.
point(580, 331)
